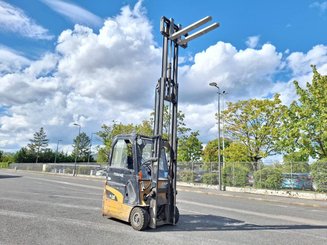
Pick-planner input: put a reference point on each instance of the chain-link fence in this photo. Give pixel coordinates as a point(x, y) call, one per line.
point(292, 175)
point(64, 168)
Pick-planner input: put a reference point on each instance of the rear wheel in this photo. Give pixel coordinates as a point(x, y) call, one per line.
point(139, 219)
point(176, 215)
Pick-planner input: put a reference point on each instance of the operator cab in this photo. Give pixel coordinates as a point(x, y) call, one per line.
point(133, 153)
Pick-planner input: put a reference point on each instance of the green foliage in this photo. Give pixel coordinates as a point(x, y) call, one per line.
point(236, 152)
point(319, 174)
point(268, 177)
point(305, 122)
point(187, 176)
point(189, 148)
point(235, 174)
point(4, 164)
point(145, 128)
point(24, 156)
point(108, 133)
point(69, 170)
point(255, 123)
point(38, 144)
point(6, 157)
point(210, 152)
point(103, 155)
point(81, 147)
point(182, 130)
point(210, 178)
point(84, 170)
point(296, 162)
point(64, 157)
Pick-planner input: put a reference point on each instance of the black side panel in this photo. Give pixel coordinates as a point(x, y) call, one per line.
point(124, 180)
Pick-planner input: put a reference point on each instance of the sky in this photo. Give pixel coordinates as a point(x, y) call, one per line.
point(95, 62)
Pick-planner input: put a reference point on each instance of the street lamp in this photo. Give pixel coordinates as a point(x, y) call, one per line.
point(55, 161)
point(223, 130)
point(213, 84)
point(77, 152)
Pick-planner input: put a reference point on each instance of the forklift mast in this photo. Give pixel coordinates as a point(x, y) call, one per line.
point(166, 93)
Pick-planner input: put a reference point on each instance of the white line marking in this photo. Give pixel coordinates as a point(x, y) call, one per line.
point(59, 220)
point(55, 195)
point(264, 215)
point(68, 183)
point(65, 205)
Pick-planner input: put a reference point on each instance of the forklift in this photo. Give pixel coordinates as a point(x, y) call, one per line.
point(140, 186)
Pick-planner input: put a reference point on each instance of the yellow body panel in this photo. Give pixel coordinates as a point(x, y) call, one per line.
point(113, 206)
point(113, 201)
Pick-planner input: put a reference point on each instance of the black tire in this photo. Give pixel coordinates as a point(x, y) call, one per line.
point(176, 216)
point(139, 219)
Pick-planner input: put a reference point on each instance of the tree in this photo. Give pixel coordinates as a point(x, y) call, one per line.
point(255, 123)
point(296, 162)
point(319, 174)
point(38, 144)
point(109, 132)
point(236, 152)
point(24, 155)
point(182, 130)
point(189, 148)
point(269, 177)
point(210, 152)
point(81, 147)
point(7, 157)
point(145, 128)
point(235, 174)
point(306, 120)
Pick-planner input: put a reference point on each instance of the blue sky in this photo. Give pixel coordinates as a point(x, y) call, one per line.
point(92, 62)
point(294, 25)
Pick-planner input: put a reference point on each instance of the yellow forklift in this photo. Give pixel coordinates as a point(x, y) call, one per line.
point(140, 186)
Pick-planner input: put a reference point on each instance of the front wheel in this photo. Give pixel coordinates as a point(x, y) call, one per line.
point(139, 219)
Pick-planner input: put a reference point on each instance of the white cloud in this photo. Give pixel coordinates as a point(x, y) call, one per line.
point(242, 73)
point(322, 6)
point(252, 42)
point(75, 13)
point(13, 19)
point(299, 64)
point(11, 61)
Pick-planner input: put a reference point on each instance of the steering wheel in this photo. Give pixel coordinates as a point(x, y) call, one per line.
point(147, 166)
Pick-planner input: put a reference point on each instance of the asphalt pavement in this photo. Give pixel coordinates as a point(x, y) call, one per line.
point(38, 208)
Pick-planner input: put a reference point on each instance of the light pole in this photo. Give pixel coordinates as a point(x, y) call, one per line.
point(77, 152)
point(88, 157)
point(223, 129)
point(219, 163)
point(55, 160)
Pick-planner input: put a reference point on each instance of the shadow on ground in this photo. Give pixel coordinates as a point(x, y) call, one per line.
point(219, 223)
point(9, 176)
